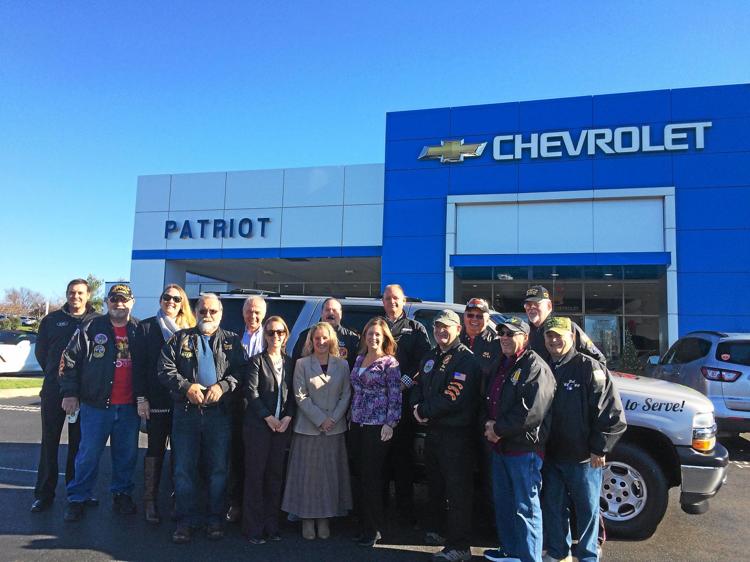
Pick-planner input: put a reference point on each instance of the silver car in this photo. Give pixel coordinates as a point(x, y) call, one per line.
point(717, 364)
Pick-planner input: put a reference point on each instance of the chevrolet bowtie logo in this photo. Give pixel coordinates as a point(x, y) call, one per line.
point(452, 151)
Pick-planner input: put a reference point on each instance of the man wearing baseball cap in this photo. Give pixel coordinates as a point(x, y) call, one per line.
point(97, 376)
point(516, 424)
point(445, 400)
point(538, 307)
point(587, 419)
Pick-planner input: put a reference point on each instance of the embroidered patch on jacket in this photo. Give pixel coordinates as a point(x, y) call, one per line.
point(515, 376)
point(428, 366)
point(459, 376)
point(100, 338)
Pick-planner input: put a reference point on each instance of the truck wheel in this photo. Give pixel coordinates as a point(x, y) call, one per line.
point(634, 493)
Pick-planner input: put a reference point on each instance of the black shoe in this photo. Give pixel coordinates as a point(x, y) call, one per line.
point(274, 537)
point(73, 511)
point(370, 540)
point(40, 505)
point(92, 502)
point(123, 504)
point(214, 531)
point(256, 540)
point(181, 535)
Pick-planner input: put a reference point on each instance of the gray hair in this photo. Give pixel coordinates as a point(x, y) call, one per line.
point(208, 296)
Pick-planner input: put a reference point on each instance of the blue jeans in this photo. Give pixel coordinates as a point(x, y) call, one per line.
point(120, 425)
point(577, 485)
point(200, 435)
point(516, 483)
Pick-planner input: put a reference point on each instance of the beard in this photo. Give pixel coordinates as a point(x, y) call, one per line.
point(119, 314)
point(208, 326)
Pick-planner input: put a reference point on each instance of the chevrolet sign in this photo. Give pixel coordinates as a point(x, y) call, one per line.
point(555, 144)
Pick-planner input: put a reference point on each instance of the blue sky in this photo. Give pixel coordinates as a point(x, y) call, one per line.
point(94, 94)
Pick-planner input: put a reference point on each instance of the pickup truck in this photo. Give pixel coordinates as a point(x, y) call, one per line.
point(670, 440)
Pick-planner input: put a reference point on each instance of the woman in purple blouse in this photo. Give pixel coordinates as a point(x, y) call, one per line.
point(376, 409)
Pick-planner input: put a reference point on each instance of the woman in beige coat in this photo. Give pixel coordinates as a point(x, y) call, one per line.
point(318, 485)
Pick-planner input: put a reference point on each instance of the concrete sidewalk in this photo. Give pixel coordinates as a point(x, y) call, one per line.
point(19, 392)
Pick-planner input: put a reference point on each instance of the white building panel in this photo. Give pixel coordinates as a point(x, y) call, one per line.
point(152, 193)
point(311, 227)
point(273, 228)
point(364, 184)
point(147, 283)
point(192, 192)
point(487, 229)
point(629, 225)
point(148, 231)
point(363, 225)
point(308, 187)
point(255, 189)
point(556, 228)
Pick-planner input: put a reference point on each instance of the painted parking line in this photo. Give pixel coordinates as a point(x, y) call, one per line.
point(740, 464)
point(12, 408)
point(26, 470)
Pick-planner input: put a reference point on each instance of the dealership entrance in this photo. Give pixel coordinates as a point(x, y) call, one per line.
point(615, 305)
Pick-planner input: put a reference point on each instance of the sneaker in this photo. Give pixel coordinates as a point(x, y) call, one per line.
point(123, 504)
point(40, 505)
point(73, 511)
point(434, 539)
point(214, 531)
point(452, 555)
point(274, 537)
point(181, 535)
point(498, 555)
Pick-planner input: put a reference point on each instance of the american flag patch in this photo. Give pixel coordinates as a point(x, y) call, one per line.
point(459, 376)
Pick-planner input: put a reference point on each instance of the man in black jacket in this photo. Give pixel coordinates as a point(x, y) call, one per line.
point(445, 399)
point(587, 420)
point(55, 332)
point(348, 339)
point(412, 344)
point(538, 307)
point(201, 367)
point(518, 400)
point(97, 376)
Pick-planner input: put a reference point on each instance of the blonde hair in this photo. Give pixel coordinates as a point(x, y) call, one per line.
point(280, 320)
point(333, 340)
point(389, 344)
point(185, 317)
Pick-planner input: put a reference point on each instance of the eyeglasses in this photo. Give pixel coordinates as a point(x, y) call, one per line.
point(272, 333)
point(176, 298)
point(473, 314)
point(507, 333)
point(207, 311)
point(531, 304)
point(118, 298)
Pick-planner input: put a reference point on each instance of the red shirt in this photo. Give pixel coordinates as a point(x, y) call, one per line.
point(122, 386)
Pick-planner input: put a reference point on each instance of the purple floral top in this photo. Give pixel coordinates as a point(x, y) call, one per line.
point(376, 399)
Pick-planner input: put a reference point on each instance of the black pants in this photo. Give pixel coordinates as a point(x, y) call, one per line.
point(449, 455)
point(236, 476)
point(401, 462)
point(264, 470)
point(368, 454)
point(53, 419)
point(159, 428)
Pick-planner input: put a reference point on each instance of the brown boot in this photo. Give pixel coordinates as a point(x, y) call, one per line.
point(151, 477)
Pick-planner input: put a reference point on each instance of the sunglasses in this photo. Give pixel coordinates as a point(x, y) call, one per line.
point(207, 311)
point(176, 298)
point(507, 333)
point(271, 333)
point(473, 314)
point(117, 299)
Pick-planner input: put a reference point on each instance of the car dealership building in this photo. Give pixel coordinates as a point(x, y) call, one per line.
point(633, 209)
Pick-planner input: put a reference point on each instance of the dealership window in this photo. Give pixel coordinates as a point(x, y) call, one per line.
point(617, 306)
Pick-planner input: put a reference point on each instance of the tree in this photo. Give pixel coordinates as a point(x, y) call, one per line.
point(96, 289)
point(23, 301)
point(629, 362)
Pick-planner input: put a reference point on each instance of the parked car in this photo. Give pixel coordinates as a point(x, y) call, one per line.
point(27, 320)
point(17, 352)
point(670, 440)
point(716, 364)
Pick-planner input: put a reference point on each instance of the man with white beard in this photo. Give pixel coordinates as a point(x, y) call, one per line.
point(201, 366)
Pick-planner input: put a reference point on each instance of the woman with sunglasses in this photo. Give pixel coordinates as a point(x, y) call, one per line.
point(270, 409)
point(376, 409)
point(174, 314)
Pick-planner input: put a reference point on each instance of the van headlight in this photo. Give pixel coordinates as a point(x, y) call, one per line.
point(704, 432)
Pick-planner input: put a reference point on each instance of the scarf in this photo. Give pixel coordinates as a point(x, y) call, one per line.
point(167, 325)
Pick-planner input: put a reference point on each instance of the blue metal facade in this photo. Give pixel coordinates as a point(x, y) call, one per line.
point(712, 188)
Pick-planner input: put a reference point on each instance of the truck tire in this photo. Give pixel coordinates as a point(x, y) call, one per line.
point(634, 493)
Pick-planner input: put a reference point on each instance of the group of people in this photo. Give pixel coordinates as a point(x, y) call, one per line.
point(532, 401)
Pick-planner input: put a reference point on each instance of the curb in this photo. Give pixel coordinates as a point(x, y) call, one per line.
point(20, 392)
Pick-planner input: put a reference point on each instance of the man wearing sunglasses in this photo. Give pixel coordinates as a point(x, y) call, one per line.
point(97, 376)
point(518, 400)
point(201, 367)
point(538, 307)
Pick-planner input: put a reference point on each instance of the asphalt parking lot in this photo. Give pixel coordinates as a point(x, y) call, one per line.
point(720, 534)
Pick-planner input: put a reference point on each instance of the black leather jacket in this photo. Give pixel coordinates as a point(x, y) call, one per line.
point(262, 391)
